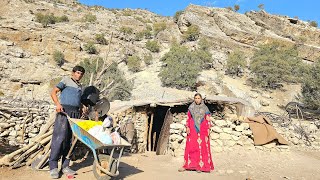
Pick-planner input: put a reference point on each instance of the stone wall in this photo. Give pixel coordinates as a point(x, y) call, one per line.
point(18, 128)
point(229, 135)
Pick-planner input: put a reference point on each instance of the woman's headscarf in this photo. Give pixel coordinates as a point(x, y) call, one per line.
point(198, 111)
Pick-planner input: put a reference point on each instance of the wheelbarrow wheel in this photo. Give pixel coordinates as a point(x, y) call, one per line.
point(104, 160)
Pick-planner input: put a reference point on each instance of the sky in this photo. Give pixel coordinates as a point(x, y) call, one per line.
point(303, 9)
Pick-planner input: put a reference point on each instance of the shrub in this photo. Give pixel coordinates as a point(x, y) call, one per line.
point(274, 64)
point(1, 93)
point(126, 30)
point(147, 33)
point(311, 87)
point(45, 20)
point(204, 44)
point(203, 57)
point(90, 18)
point(158, 27)
point(153, 46)
point(139, 36)
point(236, 7)
point(229, 8)
point(148, 59)
point(90, 48)
point(261, 6)
point(63, 18)
point(134, 63)
point(101, 40)
point(192, 33)
point(119, 90)
point(127, 13)
point(58, 57)
point(236, 63)
point(177, 15)
point(181, 69)
point(313, 23)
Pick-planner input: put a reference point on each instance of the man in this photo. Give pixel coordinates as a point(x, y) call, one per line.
point(70, 103)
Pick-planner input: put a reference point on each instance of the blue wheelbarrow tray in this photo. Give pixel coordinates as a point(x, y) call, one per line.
point(95, 145)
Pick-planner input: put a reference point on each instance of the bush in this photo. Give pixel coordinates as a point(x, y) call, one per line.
point(148, 59)
point(313, 23)
point(126, 30)
point(236, 63)
point(158, 27)
point(127, 13)
point(236, 7)
point(63, 18)
point(274, 64)
point(261, 6)
point(139, 36)
point(311, 87)
point(203, 57)
point(147, 33)
point(153, 46)
point(90, 48)
point(192, 34)
point(101, 40)
point(47, 19)
point(134, 63)
point(90, 18)
point(58, 57)
point(177, 15)
point(182, 68)
point(229, 8)
point(119, 90)
point(204, 44)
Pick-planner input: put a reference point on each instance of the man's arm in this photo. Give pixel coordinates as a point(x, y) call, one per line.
point(55, 99)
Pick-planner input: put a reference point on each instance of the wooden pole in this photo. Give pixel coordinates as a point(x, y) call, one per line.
point(154, 140)
point(150, 131)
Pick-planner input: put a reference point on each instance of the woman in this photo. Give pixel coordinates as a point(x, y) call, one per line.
point(197, 155)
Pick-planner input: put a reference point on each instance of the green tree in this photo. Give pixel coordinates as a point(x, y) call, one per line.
point(120, 88)
point(134, 63)
point(311, 86)
point(236, 63)
point(236, 8)
point(192, 33)
point(181, 71)
point(101, 39)
point(58, 57)
point(274, 64)
point(90, 48)
point(153, 46)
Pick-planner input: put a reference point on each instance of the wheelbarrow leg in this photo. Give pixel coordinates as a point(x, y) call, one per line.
point(74, 142)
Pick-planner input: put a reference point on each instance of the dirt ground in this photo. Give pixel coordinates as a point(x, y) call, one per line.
point(241, 164)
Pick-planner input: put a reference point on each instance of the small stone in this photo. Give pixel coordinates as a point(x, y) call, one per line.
point(225, 136)
point(230, 143)
point(283, 147)
point(217, 149)
point(13, 133)
point(295, 141)
point(243, 172)
point(259, 147)
point(236, 138)
point(245, 126)
point(230, 171)
point(264, 103)
point(219, 142)
point(236, 133)
point(5, 133)
point(214, 136)
point(177, 126)
point(267, 96)
point(217, 129)
point(227, 130)
point(220, 123)
point(240, 143)
point(221, 172)
point(239, 128)
point(270, 145)
point(184, 134)
point(247, 132)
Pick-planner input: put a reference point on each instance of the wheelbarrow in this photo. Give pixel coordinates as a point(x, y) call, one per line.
point(105, 167)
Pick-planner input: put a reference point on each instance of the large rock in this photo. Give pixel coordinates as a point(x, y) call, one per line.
point(177, 126)
point(214, 136)
point(227, 130)
point(217, 129)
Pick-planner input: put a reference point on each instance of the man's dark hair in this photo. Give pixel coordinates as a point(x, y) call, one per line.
point(78, 68)
point(198, 94)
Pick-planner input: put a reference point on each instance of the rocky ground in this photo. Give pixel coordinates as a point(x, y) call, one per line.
point(254, 164)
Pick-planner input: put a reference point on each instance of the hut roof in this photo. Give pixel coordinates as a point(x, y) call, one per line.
point(245, 107)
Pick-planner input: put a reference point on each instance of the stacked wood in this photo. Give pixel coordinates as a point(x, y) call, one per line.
point(38, 146)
